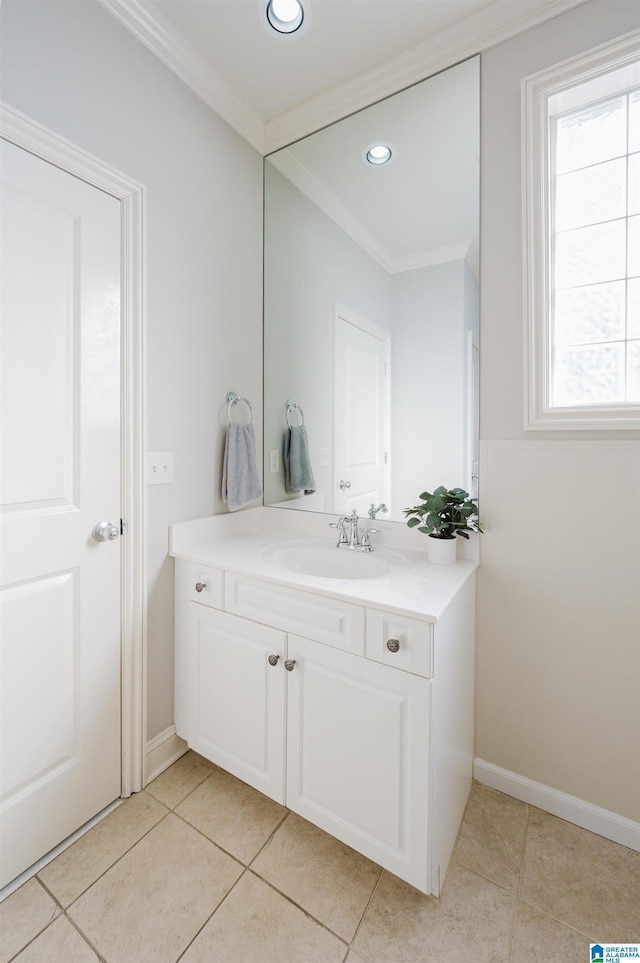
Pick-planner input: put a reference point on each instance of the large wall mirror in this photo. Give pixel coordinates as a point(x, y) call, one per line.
point(371, 304)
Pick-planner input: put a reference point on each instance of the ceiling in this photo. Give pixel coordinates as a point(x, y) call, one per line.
point(423, 207)
point(351, 54)
point(273, 90)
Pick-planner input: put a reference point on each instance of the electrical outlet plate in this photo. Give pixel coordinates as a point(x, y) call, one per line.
point(324, 457)
point(160, 468)
point(274, 462)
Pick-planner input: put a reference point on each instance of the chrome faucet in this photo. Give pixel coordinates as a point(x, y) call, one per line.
point(374, 511)
point(352, 537)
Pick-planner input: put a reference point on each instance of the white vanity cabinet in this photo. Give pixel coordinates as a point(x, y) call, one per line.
point(357, 718)
point(358, 754)
point(236, 696)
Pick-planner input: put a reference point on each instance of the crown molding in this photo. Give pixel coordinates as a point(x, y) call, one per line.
point(484, 29)
point(180, 56)
point(301, 177)
point(459, 251)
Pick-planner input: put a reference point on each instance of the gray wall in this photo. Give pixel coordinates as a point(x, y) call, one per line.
point(558, 612)
point(72, 67)
point(310, 263)
point(428, 380)
point(559, 607)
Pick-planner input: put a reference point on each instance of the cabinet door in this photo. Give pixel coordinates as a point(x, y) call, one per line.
point(236, 713)
point(358, 755)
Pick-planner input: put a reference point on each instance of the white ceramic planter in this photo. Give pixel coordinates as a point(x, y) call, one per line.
point(442, 551)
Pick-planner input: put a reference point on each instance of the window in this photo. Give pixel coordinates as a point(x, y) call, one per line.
point(582, 240)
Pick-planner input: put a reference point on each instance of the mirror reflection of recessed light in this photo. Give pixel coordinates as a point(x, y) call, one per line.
point(378, 154)
point(285, 16)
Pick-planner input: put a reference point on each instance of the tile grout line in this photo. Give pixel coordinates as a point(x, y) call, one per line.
point(290, 900)
point(47, 925)
point(60, 916)
point(248, 867)
point(218, 846)
point(366, 909)
point(33, 938)
point(186, 796)
point(101, 958)
point(71, 921)
point(64, 910)
point(269, 838)
point(212, 914)
point(109, 868)
point(512, 947)
point(564, 923)
point(527, 902)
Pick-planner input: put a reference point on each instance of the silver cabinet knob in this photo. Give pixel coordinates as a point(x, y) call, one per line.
point(105, 532)
point(393, 645)
point(289, 664)
point(344, 484)
point(273, 659)
point(200, 586)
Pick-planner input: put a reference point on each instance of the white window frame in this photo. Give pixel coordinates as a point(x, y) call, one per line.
point(536, 93)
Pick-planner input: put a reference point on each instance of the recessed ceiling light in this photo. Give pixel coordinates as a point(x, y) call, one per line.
point(285, 16)
point(378, 154)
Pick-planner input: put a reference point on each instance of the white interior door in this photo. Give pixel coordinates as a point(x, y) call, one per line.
point(362, 468)
point(60, 475)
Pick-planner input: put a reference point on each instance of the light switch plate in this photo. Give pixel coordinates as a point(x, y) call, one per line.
point(274, 462)
point(160, 468)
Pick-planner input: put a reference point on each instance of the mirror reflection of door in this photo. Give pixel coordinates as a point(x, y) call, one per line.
point(362, 468)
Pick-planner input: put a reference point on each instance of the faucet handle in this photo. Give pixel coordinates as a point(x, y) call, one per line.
point(340, 526)
point(365, 542)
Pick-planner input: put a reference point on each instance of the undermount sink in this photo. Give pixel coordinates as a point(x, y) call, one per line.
point(327, 561)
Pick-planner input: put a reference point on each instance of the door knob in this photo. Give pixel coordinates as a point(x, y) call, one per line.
point(105, 532)
point(289, 664)
point(344, 484)
point(273, 659)
point(393, 645)
point(200, 586)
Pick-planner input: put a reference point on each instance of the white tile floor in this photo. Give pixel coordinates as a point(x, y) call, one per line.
point(202, 869)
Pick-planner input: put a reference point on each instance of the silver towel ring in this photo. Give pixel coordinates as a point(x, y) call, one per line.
point(233, 399)
point(290, 407)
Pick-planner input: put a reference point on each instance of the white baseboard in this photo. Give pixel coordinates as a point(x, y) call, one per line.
point(162, 751)
point(574, 810)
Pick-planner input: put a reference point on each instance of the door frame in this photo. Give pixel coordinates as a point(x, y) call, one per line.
point(28, 134)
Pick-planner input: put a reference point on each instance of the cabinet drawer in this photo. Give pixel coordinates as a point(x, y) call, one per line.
point(211, 581)
point(330, 621)
point(415, 642)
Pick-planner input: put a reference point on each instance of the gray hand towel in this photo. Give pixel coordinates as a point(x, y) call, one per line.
point(298, 475)
point(240, 480)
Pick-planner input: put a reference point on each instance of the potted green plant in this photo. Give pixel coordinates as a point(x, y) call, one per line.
point(442, 515)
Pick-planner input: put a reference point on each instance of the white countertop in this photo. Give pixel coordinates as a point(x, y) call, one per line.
point(242, 542)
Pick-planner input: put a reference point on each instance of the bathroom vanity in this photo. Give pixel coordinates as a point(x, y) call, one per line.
point(339, 684)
